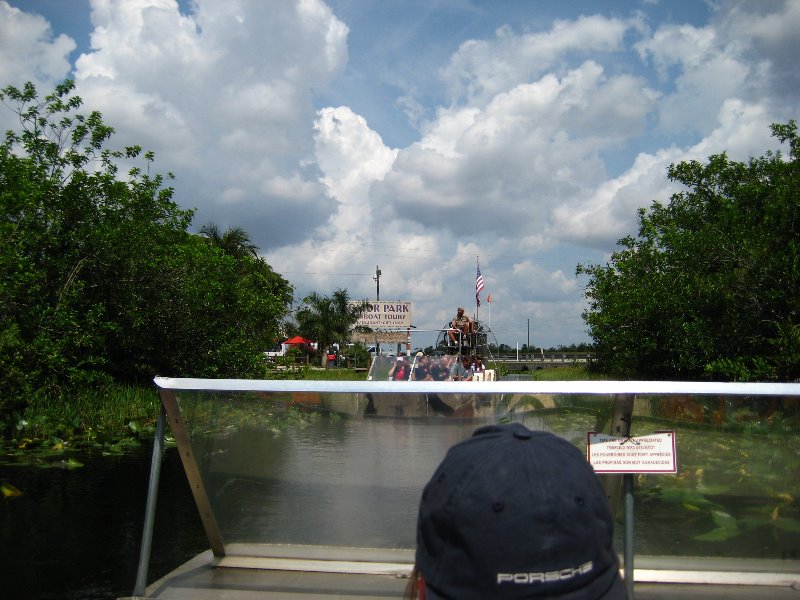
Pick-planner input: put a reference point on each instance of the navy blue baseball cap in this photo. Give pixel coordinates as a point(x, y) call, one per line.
point(514, 513)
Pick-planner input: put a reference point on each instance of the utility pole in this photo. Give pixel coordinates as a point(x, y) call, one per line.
point(529, 337)
point(377, 279)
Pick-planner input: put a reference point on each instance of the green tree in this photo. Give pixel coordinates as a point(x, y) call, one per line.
point(234, 240)
point(214, 314)
point(328, 319)
point(99, 277)
point(708, 288)
point(73, 236)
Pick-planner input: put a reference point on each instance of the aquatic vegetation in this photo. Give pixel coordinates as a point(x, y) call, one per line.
point(108, 419)
point(223, 414)
point(737, 477)
point(733, 481)
point(528, 401)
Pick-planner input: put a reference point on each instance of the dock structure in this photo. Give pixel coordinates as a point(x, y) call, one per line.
point(225, 444)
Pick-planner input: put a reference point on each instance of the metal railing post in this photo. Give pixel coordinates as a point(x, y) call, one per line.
point(150, 510)
point(628, 544)
point(621, 420)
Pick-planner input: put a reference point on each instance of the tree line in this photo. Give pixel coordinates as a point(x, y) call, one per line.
point(708, 289)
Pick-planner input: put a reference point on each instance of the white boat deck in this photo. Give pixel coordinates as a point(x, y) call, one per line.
point(270, 572)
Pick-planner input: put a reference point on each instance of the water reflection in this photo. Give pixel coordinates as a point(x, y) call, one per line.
point(351, 482)
point(355, 480)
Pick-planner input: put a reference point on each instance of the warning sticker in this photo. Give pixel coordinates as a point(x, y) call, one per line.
point(654, 453)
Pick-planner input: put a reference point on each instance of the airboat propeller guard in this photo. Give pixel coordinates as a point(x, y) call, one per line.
point(474, 344)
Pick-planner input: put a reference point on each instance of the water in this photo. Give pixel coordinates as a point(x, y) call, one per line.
point(75, 533)
point(350, 482)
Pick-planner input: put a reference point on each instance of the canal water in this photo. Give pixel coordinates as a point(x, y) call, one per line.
point(355, 481)
point(74, 533)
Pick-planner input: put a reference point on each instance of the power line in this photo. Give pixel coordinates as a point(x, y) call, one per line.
point(436, 258)
point(328, 274)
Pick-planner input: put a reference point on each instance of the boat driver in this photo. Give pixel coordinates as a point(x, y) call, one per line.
point(460, 326)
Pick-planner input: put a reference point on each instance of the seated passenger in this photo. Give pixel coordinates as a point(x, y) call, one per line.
point(460, 371)
point(400, 370)
point(422, 372)
point(440, 370)
point(514, 513)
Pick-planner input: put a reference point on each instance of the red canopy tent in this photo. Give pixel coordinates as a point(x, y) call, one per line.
point(298, 341)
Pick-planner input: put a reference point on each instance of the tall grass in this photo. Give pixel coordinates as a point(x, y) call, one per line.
point(109, 411)
point(571, 373)
point(336, 375)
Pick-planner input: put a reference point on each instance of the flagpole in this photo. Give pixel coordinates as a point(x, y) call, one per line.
point(477, 298)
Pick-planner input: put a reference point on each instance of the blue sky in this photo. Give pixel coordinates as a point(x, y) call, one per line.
point(419, 135)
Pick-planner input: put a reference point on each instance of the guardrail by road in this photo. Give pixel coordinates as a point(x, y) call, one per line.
point(545, 357)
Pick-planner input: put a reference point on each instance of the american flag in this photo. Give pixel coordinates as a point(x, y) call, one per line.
point(478, 286)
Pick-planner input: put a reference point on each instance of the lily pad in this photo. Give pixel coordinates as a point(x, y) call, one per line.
point(787, 524)
point(723, 519)
point(9, 491)
point(69, 464)
point(720, 534)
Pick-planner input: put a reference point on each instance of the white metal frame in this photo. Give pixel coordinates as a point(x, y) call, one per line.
point(655, 569)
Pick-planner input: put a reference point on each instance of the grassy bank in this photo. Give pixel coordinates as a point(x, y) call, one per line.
point(571, 373)
point(110, 417)
point(336, 375)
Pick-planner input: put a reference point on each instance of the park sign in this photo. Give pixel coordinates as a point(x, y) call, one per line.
point(385, 319)
point(385, 314)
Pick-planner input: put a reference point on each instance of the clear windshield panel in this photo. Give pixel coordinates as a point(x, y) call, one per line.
point(738, 483)
point(444, 367)
point(347, 469)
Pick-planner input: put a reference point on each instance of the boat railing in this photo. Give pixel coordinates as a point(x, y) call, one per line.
point(730, 513)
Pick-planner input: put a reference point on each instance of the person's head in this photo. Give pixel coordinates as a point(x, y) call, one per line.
point(513, 513)
point(460, 311)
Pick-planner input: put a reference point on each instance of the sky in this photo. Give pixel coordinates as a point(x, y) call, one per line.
point(423, 137)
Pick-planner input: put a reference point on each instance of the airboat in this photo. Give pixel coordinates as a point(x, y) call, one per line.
point(440, 366)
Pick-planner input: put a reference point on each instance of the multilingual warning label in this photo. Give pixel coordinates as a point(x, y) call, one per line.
point(654, 453)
